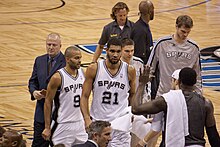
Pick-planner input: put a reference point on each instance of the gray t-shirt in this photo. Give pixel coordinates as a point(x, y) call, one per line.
point(170, 56)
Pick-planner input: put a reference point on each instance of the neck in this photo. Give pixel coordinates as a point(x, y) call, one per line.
point(146, 20)
point(186, 88)
point(126, 60)
point(177, 38)
point(71, 71)
point(112, 66)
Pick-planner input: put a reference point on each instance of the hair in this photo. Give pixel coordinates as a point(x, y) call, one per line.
point(53, 35)
point(2, 131)
point(127, 41)
point(16, 136)
point(114, 41)
point(184, 20)
point(117, 7)
point(68, 51)
point(97, 127)
point(187, 76)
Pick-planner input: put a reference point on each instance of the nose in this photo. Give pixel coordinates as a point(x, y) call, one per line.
point(186, 34)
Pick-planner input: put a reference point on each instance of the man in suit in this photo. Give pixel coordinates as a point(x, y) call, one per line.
point(44, 67)
point(99, 135)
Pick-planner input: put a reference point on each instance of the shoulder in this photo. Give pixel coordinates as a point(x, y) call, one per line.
point(138, 60)
point(165, 38)
point(130, 23)
point(131, 72)
point(208, 105)
point(56, 76)
point(91, 70)
point(110, 25)
point(193, 43)
point(41, 57)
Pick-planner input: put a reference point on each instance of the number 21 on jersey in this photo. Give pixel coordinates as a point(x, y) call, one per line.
point(110, 98)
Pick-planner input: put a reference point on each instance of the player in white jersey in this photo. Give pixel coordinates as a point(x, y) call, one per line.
point(113, 84)
point(140, 125)
point(175, 52)
point(65, 88)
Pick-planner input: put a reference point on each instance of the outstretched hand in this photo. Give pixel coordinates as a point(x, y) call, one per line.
point(144, 75)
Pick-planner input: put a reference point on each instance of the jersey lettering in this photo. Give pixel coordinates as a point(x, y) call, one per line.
point(107, 98)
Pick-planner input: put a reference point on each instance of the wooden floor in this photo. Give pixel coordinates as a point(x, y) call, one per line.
point(24, 25)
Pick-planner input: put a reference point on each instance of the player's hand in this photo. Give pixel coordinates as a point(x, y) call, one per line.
point(144, 75)
point(37, 95)
point(46, 134)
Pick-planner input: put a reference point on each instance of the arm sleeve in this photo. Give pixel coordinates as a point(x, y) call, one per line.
point(197, 68)
point(213, 136)
point(104, 37)
point(33, 81)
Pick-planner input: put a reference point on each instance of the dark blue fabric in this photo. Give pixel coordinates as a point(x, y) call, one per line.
point(38, 81)
point(38, 139)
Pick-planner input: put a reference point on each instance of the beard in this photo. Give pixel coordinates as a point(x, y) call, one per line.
point(112, 61)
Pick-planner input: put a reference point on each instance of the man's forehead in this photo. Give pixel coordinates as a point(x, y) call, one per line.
point(128, 47)
point(115, 47)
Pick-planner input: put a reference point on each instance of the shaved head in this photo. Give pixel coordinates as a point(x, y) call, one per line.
point(146, 7)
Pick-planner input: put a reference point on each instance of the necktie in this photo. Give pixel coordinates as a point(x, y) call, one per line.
point(50, 65)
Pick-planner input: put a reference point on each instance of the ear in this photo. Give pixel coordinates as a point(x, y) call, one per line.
point(14, 143)
point(95, 136)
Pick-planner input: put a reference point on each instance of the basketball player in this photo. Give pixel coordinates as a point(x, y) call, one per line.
point(65, 89)
point(121, 27)
point(175, 52)
point(199, 115)
point(138, 122)
point(113, 85)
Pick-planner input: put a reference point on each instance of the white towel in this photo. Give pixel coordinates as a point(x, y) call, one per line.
point(123, 122)
point(177, 119)
point(140, 126)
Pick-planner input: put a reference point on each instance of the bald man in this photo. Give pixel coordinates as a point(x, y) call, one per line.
point(44, 67)
point(141, 34)
point(63, 95)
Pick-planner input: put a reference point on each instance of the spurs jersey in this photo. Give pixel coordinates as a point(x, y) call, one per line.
point(110, 92)
point(170, 55)
point(67, 99)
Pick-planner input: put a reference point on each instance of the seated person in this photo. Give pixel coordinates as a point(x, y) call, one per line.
point(99, 135)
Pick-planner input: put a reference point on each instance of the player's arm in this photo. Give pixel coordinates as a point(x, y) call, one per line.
point(197, 68)
point(151, 107)
point(97, 53)
point(132, 82)
point(210, 125)
point(52, 87)
point(86, 91)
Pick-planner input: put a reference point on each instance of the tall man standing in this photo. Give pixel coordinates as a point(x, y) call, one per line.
point(113, 84)
point(141, 34)
point(65, 88)
point(175, 52)
point(44, 67)
point(120, 27)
